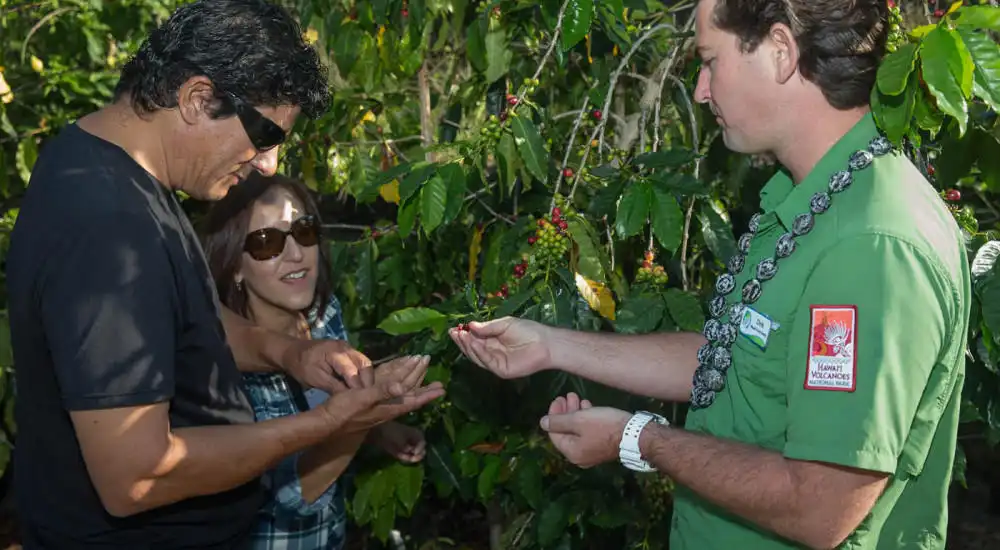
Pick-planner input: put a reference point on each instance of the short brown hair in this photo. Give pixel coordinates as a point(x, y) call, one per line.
point(841, 42)
point(224, 230)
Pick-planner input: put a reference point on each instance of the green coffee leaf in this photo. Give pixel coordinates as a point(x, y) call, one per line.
point(531, 148)
point(576, 22)
point(412, 319)
point(947, 69)
point(894, 72)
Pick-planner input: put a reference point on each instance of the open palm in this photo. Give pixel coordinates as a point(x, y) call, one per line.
point(507, 347)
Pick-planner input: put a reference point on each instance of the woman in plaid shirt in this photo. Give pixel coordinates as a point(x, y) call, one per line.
point(264, 249)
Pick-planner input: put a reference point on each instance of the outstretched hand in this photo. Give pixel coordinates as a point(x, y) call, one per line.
point(395, 391)
point(508, 347)
point(584, 434)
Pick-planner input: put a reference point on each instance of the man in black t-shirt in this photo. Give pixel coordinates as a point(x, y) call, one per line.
point(134, 431)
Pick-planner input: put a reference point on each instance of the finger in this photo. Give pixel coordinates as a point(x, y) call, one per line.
point(558, 405)
point(416, 376)
point(465, 341)
point(341, 407)
point(326, 381)
point(559, 423)
point(396, 372)
point(490, 329)
point(366, 375)
point(413, 401)
point(481, 355)
point(586, 404)
point(572, 402)
point(343, 364)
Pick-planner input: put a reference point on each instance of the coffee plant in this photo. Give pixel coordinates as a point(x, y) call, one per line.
point(542, 159)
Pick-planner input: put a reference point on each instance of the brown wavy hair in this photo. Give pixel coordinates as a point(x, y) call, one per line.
point(841, 42)
point(224, 228)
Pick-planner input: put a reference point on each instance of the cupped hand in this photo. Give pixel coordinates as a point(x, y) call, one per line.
point(402, 442)
point(508, 347)
point(397, 390)
point(584, 434)
point(330, 365)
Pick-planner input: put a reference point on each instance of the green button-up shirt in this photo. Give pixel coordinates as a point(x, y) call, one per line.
point(890, 260)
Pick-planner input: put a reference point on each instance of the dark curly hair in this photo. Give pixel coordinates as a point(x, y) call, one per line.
point(223, 230)
point(250, 48)
point(841, 42)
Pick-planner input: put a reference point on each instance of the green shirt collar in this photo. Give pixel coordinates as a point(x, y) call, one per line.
point(787, 200)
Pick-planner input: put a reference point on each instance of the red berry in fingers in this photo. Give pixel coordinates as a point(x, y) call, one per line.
point(954, 195)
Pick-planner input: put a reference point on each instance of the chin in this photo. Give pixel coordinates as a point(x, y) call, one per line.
point(738, 144)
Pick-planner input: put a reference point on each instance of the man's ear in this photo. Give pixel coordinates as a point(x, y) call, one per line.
point(785, 52)
point(195, 99)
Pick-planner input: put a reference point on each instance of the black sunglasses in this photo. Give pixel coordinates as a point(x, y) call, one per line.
point(268, 243)
point(263, 132)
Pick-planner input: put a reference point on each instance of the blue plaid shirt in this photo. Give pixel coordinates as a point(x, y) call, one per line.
point(287, 521)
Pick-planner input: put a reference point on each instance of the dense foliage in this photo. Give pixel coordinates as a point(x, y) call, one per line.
point(540, 159)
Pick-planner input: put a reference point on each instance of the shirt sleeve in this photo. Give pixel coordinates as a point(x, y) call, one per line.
point(107, 302)
point(288, 489)
point(867, 378)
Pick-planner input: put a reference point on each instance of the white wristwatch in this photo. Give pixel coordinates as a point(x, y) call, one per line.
point(628, 449)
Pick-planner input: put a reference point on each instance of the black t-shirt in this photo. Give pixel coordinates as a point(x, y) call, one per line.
point(112, 305)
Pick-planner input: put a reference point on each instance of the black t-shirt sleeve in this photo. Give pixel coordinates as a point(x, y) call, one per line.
point(108, 306)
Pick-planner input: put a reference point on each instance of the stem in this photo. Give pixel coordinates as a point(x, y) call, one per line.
point(496, 214)
point(684, 243)
point(599, 129)
point(545, 58)
point(494, 515)
point(569, 150)
point(520, 532)
point(426, 123)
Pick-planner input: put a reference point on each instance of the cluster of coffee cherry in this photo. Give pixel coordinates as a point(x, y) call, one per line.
point(551, 239)
point(521, 268)
point(493, 129)
point(650, 272)
point(896, 37)
point(502, 293)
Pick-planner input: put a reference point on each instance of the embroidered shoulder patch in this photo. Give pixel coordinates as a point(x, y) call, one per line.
point(832, 364)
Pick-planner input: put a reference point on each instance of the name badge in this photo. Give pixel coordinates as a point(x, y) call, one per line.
point(756, 327)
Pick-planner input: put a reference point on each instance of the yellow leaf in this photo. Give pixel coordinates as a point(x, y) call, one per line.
point(6, 95)
point(37, 65)
point(381, 35)
point(614, 51)
point(589, 59)
point(922, 31)
point(955, 6)
point(369, 117)
point(311, 36)
point(390, 192)
point(597, 296)
point(474, 247)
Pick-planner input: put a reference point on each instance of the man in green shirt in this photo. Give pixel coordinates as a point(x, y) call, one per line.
point(825, 386)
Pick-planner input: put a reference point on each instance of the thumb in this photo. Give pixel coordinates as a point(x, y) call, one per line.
point(559, 423)
point(489, 329)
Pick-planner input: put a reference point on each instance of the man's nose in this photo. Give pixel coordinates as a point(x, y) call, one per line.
point(266, 162)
